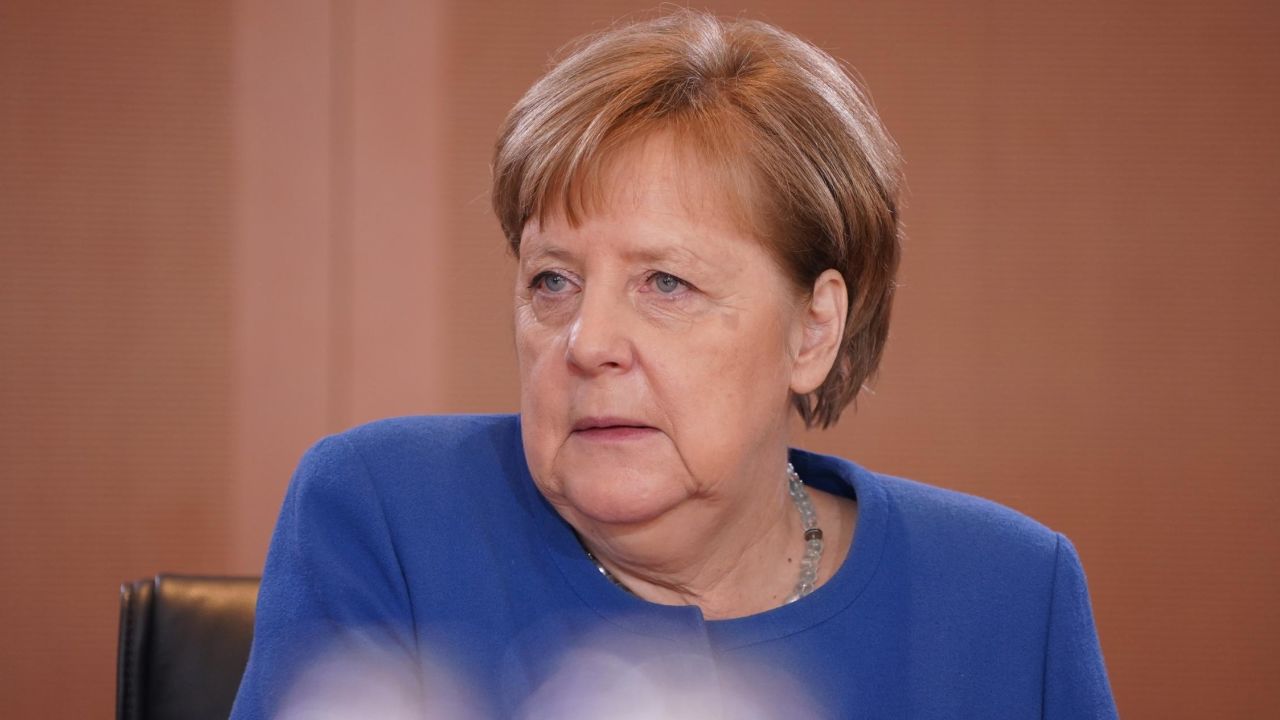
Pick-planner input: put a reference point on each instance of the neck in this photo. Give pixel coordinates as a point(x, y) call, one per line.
point(729, 560)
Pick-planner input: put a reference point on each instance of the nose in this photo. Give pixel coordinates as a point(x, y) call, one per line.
point(598, 339)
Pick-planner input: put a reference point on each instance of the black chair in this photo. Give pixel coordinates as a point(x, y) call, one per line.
point(184, 642)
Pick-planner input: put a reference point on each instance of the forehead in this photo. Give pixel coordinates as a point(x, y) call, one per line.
point(654, 184)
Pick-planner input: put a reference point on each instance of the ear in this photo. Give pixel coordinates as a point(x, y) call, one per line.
point(817, 336)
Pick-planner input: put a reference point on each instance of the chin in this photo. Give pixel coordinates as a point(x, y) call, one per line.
point(621, 498)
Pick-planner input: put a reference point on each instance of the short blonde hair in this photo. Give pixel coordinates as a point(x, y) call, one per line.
point(764, 105)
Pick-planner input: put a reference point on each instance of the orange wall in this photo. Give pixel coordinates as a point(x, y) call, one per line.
point(114, 278)
point(227, 231)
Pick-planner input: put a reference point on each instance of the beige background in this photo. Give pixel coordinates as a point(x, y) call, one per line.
point(226, 230)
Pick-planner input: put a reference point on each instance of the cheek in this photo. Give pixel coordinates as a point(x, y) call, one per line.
point(728, 368)
point(535, 344)
point(543, 394)
point(738, 347)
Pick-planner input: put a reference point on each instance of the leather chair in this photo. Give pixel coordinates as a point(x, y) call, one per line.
point(184, 642)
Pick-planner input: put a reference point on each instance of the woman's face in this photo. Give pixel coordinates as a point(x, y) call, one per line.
point(656, 344)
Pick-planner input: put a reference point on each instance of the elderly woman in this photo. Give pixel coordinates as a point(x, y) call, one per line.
point(705, 219)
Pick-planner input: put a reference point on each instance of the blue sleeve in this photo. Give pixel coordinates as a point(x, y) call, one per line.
point(333, 605)
point(1075, 685)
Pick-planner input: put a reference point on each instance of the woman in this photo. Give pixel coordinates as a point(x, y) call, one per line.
point(704, 215)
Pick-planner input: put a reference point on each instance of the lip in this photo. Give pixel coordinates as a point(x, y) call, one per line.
point(611, 429)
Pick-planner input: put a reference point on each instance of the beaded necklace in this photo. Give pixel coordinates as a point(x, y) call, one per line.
point(812, 541)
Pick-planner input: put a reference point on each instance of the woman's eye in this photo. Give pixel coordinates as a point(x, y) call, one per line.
point(666, 283)
point(550, 281)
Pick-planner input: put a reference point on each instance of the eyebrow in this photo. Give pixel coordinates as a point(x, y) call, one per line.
point(550, 251)
point(666, 254)
point(643, 254)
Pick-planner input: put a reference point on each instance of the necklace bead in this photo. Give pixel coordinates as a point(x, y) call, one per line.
point(812, 536)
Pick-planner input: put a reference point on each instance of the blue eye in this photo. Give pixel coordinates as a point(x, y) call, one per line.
point(550, 281)
point(666, 283)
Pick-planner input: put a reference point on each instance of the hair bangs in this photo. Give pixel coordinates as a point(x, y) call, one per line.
point(567, 176)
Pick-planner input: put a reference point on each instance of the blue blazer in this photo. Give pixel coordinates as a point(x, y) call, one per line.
point(415, 569)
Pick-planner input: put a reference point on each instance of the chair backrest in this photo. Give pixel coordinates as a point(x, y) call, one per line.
point(184, 642)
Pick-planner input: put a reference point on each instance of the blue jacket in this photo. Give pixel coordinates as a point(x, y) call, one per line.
point(415, 569)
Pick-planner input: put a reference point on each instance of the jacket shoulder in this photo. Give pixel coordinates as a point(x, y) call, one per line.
point(963, 521)
point(406, 451)
point(953, 512)
point(439, 431)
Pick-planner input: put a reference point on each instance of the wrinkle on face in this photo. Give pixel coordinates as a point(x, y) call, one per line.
point(709, 370)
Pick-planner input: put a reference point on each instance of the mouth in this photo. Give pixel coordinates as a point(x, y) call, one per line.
point(611, 429)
